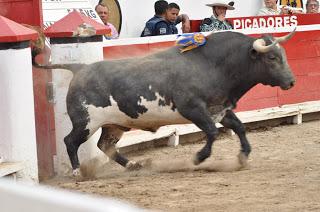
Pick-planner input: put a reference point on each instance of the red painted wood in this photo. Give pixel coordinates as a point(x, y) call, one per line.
point(307, 88)
point(259, 97)
point(22, 11)
point(303, 45)
point(306, 66)
point(134, 50)
point(44, 114)
point(153, 47)
point(247, 104)
point(125, 51)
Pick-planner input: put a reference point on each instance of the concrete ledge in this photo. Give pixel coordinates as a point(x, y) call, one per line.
point(8, 168)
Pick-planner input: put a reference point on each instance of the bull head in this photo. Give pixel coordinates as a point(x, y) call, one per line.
point(260, 45)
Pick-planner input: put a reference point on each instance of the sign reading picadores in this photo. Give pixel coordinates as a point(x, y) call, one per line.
point(265, 22)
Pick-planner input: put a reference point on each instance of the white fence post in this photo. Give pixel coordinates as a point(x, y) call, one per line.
point(17, 122)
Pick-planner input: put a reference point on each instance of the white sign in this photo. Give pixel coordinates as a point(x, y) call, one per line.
point(54, 10)
point(260, 22)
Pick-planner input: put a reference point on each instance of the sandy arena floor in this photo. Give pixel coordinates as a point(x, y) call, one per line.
point(283, 174)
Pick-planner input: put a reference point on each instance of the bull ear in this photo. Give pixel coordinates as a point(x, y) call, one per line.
point(253, 53)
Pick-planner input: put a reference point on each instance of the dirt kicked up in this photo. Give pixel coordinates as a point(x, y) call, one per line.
point(283, 174)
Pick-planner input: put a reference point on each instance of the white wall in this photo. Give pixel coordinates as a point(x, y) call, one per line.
point(64, 54)
point(17, 122)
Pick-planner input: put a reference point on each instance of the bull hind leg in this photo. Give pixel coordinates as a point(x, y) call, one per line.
point(76, 137)
point(109, 137)
point(231, 121)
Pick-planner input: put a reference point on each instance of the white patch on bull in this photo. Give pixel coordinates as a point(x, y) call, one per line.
point(150, 87)
point(155, 116)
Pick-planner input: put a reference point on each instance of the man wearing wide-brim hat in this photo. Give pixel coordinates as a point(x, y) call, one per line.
point(218, 20)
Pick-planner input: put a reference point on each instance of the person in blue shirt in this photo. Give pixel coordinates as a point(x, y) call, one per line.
point(165, 19)
point(157, 25)
point(173, 17)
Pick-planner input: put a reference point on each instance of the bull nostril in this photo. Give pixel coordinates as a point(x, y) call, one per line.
point(292, 83)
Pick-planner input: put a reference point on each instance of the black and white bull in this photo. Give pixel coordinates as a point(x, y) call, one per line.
point(200, 86)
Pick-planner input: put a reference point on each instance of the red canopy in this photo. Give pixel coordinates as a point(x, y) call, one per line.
point(66, 26)
point(11, 31)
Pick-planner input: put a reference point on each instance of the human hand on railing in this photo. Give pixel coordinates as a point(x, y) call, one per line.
point(290, 10)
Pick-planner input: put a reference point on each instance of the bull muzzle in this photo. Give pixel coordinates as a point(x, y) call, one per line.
point(260, 45)
point(288, 85)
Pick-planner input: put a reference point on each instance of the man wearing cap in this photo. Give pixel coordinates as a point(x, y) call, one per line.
point(218, 20)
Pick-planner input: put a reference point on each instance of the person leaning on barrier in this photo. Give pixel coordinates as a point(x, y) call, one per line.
point(157, 24)
point(218, 20)
point(165, 19)
point(271, 8)
point(312, 6)
point(103, 12)
point(173, 17)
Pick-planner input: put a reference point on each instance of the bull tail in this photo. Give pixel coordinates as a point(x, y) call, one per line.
point(74, 68)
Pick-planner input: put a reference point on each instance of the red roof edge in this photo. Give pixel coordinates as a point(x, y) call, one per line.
point(11, 31)
point(69, 25)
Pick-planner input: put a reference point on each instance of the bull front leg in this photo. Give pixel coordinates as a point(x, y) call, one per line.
point(231, 121)
point(200, 116)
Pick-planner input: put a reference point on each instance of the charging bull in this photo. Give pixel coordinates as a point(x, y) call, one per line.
point(201, 86)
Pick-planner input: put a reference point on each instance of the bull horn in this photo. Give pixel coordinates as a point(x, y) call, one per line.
point(285, 37)
point(260, 45)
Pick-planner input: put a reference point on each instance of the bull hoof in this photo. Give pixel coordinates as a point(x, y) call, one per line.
point(196, 160)
point(243, 159)
point(76, 173)
point(133, 166)
point(200, 157)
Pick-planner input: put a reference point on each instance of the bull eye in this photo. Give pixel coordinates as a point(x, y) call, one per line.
point(272, 57)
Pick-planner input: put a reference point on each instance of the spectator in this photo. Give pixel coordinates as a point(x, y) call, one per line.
point(174, 18)
point(312, 6)
point(218, 20)
point(157, 25)
point(271, 8)
point(103, 12)
point(165, 19)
